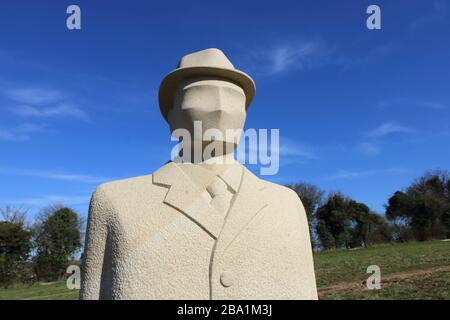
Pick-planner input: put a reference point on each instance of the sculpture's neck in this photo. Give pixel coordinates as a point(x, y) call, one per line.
point(218, 164)
point(213, 156)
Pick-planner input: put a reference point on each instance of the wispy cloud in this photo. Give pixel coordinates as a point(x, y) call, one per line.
point(19, 133)
point(290, 56)
point(83, 178)
point(287, 151)
point(368, 149)
point(437, 13)
point(282, 57)
point(34, 95)
point(407, 103)
point(289, 148)
point(43, 103)
point(344, 174)
point(61, 110)
point(40, 201)
point(386, 129)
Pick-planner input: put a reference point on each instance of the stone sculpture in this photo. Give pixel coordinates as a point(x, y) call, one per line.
point(199, 229)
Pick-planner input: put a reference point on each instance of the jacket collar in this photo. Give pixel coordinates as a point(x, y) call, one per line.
point(184, 194)
point(195, 176)
point(186, 182)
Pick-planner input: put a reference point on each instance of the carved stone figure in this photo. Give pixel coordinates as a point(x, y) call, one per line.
point(199, 229)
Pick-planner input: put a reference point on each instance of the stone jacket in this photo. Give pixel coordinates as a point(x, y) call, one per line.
point(156, 237)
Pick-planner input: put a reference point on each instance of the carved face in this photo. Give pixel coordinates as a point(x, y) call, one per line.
point(217, 103)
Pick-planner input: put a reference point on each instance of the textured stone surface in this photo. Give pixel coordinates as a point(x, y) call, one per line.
point(149, 240)
point(181, 233)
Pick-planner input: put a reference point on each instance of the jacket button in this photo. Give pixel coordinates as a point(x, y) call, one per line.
point(226, 279)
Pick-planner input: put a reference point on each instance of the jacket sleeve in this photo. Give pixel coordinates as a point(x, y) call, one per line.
point(96, 264)
point(306, 249)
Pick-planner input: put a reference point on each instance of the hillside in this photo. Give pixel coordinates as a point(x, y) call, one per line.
point(416, 270)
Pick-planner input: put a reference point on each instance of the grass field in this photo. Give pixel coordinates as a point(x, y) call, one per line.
point(416, 270)
point(54, 291)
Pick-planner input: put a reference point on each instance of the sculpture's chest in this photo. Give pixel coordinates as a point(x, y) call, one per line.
point(167, 258)
point(160, 253)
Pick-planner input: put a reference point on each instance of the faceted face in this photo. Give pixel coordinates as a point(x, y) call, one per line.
point(218, 105)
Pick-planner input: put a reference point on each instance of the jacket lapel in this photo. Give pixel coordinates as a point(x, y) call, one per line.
point(248, 202)
point(186, 196)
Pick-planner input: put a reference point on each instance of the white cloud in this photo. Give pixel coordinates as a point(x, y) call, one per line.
point(61, 110)
point(34, 96)
point(344, 174)
point(438, 13)
point(68, 200)
point(284, 56)
point(19, 133)
point(83, 178)
point(289, 148)
point(43, 103)
point(290, 56)
point(386, 129)
point(368, 149)
point(408, 103)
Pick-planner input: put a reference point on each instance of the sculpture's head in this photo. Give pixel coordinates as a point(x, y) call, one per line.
point(206, 90)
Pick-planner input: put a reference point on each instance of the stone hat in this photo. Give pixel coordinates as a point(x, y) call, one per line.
point(209, 62)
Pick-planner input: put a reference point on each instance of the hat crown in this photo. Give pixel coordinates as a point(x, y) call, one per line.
point(210, 63)
point(206, 58)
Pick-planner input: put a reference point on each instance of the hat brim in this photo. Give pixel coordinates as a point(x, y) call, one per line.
point(170, 83)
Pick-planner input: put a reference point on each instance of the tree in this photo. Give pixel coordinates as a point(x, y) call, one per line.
point(367, 227)
point(326, 238)
point(333, 223)
point(422, 211)
point(381, 231)
point(15, 244)
point(343, 222)
point(57, 238)
point(14, 215)
point(311, 197)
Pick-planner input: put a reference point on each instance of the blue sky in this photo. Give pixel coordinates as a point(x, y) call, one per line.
point(359, 111)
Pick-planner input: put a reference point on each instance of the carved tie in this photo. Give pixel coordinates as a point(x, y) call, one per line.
point(220, 195)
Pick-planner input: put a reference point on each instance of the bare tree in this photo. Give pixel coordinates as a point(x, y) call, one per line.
point(14, 215)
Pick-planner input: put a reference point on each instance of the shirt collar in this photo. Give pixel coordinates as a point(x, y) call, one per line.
point(203, 178)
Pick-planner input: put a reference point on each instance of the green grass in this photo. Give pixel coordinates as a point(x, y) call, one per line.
point(56, 291)
point(350, 265)
point(435, 286)
point(339, 267)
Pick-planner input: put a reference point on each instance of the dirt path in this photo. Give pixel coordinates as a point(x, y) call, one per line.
point(385, 280)
point(43, 297)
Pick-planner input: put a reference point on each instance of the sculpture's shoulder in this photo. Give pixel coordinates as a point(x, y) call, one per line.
point(110, 197)
point(139, 193)
point(145, 185)
point(281, 194)
point(282, 200)
point(126, 187)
